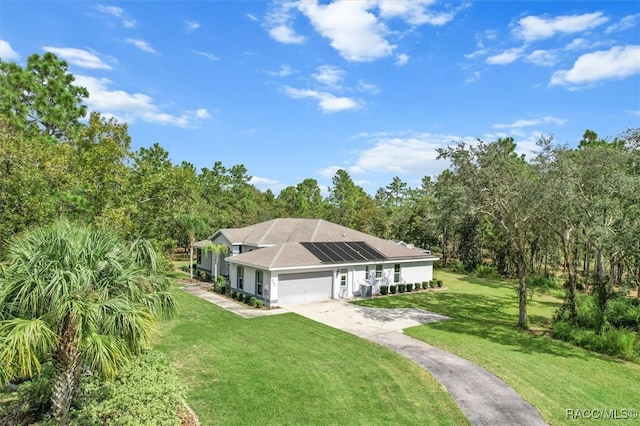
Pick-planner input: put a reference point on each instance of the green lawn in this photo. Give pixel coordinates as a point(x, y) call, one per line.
point(551, 375)
point(287, 370)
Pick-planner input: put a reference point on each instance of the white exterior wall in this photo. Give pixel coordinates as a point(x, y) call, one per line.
point(249, 284)
point(416, 272)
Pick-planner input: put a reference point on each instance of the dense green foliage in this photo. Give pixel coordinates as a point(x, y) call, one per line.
point(79, 298)
point(146, 392)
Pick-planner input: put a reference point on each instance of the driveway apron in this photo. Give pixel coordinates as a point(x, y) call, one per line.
point(482, 397)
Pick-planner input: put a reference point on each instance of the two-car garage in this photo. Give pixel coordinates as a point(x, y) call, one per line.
point(304, 287)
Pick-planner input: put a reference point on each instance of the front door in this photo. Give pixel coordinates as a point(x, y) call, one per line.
point(344, 284)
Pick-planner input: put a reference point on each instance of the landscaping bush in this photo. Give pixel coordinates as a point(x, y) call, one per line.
point(439, 283)
point(486, 271)
point(33, 400)
point(253, 301)
point(147, 392)
point(402, 288)
point(240, 297)
point(393, 289)
point(259, 303)
point(409, 286)
point(458, 267)
point(417, 286)
point(246, 298)
point(222, 289)
point(425, 285)
point(384, 290)
point(615, 342)
point(234, 294)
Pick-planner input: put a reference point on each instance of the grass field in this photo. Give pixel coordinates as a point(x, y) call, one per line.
point(552, 375)
point(287, 370)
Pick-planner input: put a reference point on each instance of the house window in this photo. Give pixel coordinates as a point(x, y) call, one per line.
point(259, 283)
point(378, 271)
point(396, 273)
point(343, 277)
point(199, 251)
point(240, 278)
point(366, 272)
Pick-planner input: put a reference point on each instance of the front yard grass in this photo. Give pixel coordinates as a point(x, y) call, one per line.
point(288, 370)
point(552, 375)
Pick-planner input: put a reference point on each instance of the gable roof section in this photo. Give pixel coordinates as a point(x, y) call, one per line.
point(281, 241)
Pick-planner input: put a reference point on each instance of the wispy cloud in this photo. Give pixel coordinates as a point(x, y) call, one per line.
point(402, 59)
point(506, 57)
point(79, 57)
point(141, 44)
point(544, 58)
point(117, 12)
point(210, 56)
point(252, 17)
point(624, 24)
point(615, 63)
point(7, 53)
point(330, 76)
point(284, 71)
point(530, 122)
point(130, 107)
point(191, 25)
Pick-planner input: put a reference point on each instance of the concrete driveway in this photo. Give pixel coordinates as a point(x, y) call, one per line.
point(482, 397)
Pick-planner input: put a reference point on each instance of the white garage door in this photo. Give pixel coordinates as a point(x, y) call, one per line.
point(304, 287)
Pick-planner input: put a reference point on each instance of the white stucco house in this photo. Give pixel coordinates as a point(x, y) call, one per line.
point(286, 261)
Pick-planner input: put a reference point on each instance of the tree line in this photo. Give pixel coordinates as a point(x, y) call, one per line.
point(575, 210)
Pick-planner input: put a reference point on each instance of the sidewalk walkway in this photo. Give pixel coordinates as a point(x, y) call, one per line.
point(482, 397)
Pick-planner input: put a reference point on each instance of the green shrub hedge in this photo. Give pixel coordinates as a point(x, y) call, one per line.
point(384, 290)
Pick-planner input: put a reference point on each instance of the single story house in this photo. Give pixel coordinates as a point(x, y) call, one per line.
point(286, 261)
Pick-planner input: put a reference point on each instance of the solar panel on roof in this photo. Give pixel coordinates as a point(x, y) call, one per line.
point(344, 251)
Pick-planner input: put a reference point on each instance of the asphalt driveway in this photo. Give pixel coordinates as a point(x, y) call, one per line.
point(482, 397)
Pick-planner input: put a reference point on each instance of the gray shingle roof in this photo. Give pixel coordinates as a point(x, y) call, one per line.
point(281, 237)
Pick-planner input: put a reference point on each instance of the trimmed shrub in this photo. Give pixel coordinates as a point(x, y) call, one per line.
point(409, 286)
point(247, 298)
point(402, 288)
point(439, 283)
point(240, 297)
point(259, 303)
point(234, 294)
point(384, 290)
point(393, 289)
point(425, 285)
point(222, 289)
point(253, 301)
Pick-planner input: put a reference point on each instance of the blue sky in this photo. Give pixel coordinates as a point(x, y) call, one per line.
point(298, 89)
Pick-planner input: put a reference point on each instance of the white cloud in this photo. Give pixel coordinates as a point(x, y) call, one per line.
point(414, 12)
point(544, 58)
point(210, 56)
point(330, 171)
point(402, 59)
point(141, 44)
point(625, 23)
point(263, 184)
point(617, 62)
point(532, 28)
point(506, 57)
point(278, 23)
point(252, 17)
point(284, 34)
point(191, 25)
point(7, 53)
point(78, 57)
point(329, 76)
point(636, 113)
point(414, 154)
point(354, 32)
point(132, 106)
point(327, 102)
point(129, 23)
